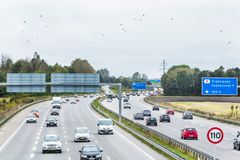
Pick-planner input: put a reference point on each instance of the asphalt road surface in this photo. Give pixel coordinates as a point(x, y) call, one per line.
point(24, 142)
point(224, 150)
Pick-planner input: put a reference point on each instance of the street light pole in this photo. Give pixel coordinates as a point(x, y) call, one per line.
point(120, 101)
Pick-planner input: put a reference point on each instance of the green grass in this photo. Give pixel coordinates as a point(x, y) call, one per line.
point(218, 109)
point(142, 131)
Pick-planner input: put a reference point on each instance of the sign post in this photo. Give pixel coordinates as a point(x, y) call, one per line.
point(215, 135)
point(219, 86)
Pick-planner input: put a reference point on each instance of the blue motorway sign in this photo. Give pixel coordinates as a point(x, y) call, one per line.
point(139, 85)
point(219, 86)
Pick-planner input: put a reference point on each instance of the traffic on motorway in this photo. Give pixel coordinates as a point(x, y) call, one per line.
point(52, 143)
point(181, 126)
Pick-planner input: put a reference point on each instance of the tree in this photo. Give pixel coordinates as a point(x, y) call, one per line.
point(104, 75)
point(136, 76)
point(81, 66)
point(179, 80)
point(144, 77)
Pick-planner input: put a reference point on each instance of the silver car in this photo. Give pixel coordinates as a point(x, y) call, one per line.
point(31, 119)
point(52, 143)
point(81, 134)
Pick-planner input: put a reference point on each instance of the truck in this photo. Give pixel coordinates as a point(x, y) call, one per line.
point(56, 102)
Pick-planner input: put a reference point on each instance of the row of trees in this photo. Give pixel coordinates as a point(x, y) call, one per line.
point(181, 80)
point(105, 77)
point(38, 65)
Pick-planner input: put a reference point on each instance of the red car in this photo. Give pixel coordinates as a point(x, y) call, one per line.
point(189, 133)
point(170, 111)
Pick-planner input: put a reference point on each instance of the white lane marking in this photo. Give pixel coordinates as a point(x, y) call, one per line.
point(69, 158)
point(65, 136)
point(9, 138)
point(32, 155)
point(66, 142)
point(96, 141)
point(36, 142)
point(34, 148)
point(37, 138)
point(145, 153)
point(108, 158)
point(68, 149)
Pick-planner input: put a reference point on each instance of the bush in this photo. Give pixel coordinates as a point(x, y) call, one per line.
point(4, 101)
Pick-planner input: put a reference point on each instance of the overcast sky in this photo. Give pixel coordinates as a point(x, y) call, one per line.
point(124, 35)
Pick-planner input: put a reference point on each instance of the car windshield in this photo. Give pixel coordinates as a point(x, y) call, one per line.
point(81, 130)
point(90, 149)
point(146, 111)
point(51, 138)
point(139, 114)
point(105, 122)
point(152, 119)
point(51, 119)
point(188, 113)
point(190, 129)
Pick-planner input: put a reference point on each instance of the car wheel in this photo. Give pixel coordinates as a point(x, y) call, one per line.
point(99, 132)
point(234, 147)
point(43, 151)
point(60, 151)
point(197, 138)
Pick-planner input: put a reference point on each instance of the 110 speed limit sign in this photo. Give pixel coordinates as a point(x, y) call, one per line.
point(215, 135)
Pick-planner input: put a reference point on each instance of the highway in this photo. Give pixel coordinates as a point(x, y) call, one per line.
point(25, 140)
point(224, 150)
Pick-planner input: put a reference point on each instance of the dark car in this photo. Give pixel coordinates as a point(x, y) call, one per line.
point(187, 115)
point(138, 116)
point(127, 106)
point(147, 113)
point(51, 122)
point(155, 108)
point(164, 118)
point(77, 100)
point(54, 112)
point(236, 144)
point(151, 121)
point(90, 152)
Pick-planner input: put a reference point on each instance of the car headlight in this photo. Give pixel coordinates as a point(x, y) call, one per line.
point(99, 156)
point(84, 156)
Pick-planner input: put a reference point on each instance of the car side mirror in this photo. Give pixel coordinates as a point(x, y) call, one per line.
point(80, 151)
point(235, 139)
point(98, 124)
point(101, 150)
point(113, 124)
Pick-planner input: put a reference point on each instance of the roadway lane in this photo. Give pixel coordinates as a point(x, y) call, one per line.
point(26, 143)
point(224, 150)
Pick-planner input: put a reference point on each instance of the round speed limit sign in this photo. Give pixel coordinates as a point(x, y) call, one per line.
point(215, 135)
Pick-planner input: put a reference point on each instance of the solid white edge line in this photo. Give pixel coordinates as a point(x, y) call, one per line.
point(12, 135)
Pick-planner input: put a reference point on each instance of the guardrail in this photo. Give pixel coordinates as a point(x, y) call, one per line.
point(2, 122)
point(196, 153)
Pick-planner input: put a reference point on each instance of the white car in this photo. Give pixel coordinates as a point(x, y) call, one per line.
point(105, 126)
point(31, 119)
point(81, 134)
point(52, 143)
